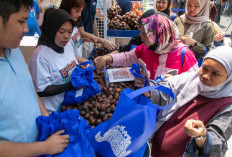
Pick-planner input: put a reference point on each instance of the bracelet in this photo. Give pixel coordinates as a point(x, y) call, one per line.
point(200, 138)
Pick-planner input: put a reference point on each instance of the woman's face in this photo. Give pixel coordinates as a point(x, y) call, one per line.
point(193, 7)
point(212, 73)
point(161, 5)
point(63, 34)
point(75, 13)
point(144, 37)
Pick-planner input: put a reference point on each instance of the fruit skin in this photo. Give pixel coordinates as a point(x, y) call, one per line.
point(117, 22)
point(101, 107)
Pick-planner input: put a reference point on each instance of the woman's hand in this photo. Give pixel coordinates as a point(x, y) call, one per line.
point(100, 61)
point(109, 45)
point(85, 66)
point(188, 40)
point(99, 45)
point(56, 143)
point(167, 75)
point(196, 129)
point(139, 82)
point(81, 60)
point(219, 37)
point(114, 52)
point(93, 38)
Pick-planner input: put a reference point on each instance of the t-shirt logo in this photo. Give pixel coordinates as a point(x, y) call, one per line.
point(77, 39)
point(66, 72)
point(32, 12)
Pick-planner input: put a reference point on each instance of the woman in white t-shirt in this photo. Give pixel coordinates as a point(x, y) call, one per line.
point(74, 11)
point(54, 60)
point(75, 8)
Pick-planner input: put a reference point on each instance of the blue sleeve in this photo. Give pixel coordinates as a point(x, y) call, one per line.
point(127, 7)
point(36, 7)
point(218, 44)
point(80, 24)
point(192, 150)
point(99, 4)
point(173, 16)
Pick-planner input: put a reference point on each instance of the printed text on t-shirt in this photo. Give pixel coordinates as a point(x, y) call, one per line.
point(66, 72)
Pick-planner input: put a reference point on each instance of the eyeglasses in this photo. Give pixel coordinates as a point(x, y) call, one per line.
point(159, 2)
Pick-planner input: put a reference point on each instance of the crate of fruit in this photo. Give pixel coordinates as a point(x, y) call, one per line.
point(122, 25)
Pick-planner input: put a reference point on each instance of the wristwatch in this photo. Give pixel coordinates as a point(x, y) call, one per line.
point(195, 44)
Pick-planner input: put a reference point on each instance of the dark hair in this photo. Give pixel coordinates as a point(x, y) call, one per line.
point(53, 20)
point(213, 13)
point(8, 7)
point(149, 13)
point(67, 5)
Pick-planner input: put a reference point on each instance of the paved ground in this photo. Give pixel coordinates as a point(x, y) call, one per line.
point(225, 23)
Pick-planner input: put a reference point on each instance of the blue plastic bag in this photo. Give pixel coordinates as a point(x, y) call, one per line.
point(135, 70)
point(200, 60)
point(83, 80)
point(131, 125)
point(75, 126)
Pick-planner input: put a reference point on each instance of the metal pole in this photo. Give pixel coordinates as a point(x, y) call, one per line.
point(229, 25)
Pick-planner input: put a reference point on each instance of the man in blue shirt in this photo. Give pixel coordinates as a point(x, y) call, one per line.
point(19, 102)
point(88, 29)
point(125, 5)
point(32, 22)
point(88, 16)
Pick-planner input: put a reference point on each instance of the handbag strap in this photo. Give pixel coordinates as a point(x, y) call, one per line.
point(161, 88)
point(182, 55)
point(201, 60)
point(135, 70)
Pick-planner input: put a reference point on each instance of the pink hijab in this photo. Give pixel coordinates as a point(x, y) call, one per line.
point(200, 20)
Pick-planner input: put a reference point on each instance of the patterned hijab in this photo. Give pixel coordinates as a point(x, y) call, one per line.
point(187, 86)
point(200, 20)
point(161, 32)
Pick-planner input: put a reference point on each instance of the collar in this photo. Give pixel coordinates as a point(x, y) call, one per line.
point(6, 53)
